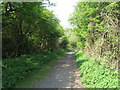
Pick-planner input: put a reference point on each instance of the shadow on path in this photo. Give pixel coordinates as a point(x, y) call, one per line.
point(64, 74)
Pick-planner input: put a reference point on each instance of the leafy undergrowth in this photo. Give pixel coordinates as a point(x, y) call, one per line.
point(34, 78)
point(94, 75)
point(15, 70)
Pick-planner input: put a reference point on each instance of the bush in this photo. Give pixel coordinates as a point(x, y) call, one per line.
point(17, 69)
point(64, 42)
point(59, 52)
point(94, 75)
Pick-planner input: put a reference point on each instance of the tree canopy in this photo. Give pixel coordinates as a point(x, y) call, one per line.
point(27, 27)
point(97, 25)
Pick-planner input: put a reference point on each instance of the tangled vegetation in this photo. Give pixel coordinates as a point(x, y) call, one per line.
point(95, 32)
point(29, 27)
point(96, 26)
point(31, 37)
point(94, 75)
point(16, 69)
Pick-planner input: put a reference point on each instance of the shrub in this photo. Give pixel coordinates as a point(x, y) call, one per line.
point(18, 68)
point(94, 75)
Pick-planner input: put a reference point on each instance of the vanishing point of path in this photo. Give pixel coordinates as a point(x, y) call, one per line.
point(64, 74)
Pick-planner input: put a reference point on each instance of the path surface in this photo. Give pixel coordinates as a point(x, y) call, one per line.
point(64, 74)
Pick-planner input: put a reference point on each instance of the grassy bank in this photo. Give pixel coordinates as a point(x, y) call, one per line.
point(17, 69)
point(94, 75)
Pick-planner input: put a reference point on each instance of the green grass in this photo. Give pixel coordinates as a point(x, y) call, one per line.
point(36, 75)
point(94, 75)
point(18, 69)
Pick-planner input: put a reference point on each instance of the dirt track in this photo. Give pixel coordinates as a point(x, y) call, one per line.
point(64, 74)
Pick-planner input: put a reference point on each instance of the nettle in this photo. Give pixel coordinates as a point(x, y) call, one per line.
point(94, 75)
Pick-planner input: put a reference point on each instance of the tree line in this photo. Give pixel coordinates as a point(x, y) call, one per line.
point(29, 27)
point(95, 30)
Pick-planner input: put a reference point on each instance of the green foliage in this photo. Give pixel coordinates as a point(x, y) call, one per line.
point(96, 25)
point(17, 69)
point(73, 37)
point(64, 42)
point(31, 35)
point(28, 27)
point(94, 75)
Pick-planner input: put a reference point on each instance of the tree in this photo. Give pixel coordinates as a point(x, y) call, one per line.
point(97, 25)
point(28, 27)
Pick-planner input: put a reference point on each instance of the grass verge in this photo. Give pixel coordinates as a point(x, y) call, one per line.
point(37, 75)
point(18, 69)
point(94, 75)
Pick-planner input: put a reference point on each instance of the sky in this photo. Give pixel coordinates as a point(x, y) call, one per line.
point(63, 9)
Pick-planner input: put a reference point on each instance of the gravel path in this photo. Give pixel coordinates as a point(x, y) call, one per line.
point(64, 74)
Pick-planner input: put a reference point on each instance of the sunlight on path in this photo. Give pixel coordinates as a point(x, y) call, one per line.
point(64, 75)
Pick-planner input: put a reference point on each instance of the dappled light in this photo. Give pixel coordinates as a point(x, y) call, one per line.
point(60, 44)
point(64, 75)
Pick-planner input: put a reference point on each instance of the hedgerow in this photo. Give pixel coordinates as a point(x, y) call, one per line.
point(94, 75)
point(17, 69)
